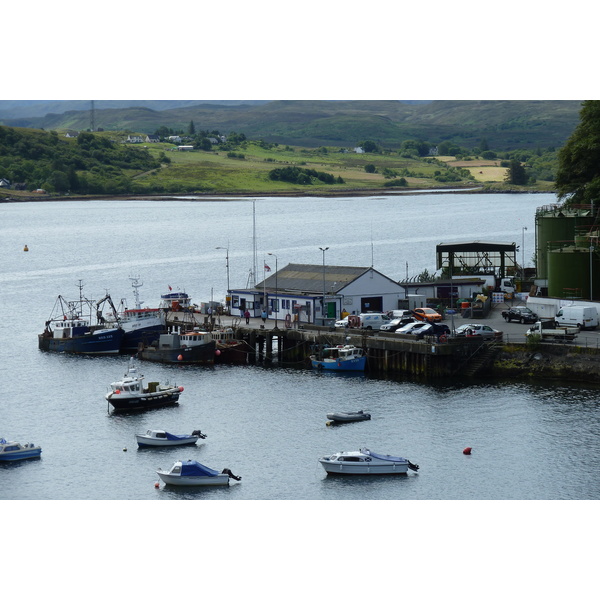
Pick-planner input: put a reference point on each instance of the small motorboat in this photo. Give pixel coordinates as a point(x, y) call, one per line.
point(130, 393)
point(193, 473)
point(348, 417)
point(340, 358)
point(366, 462)
point(159, 437)
point(16, 451)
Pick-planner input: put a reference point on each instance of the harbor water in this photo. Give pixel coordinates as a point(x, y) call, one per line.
point(530, 441)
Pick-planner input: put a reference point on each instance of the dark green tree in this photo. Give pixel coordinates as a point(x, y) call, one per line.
point(578, 174)
point(191, 128)
point(516, 173)
point(370, 168)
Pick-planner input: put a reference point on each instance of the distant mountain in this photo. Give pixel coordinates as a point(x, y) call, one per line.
point(504, 125)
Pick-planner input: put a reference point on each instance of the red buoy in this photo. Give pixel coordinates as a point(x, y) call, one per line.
point(180, 357)
point(156, 484)
point(218, 352)
point(467, 450)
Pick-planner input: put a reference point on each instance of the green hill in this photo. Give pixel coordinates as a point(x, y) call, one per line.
point(504, 125)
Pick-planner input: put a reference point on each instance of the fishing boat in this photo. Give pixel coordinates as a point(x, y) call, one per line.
point(189, 348)
point(366, 462)
point(348, 417)
point(130, 393)
point(193, 473)
point(229, 350)
point(69, 329)
point(159, 438)
point(141, 325)
point(15, 451)
point(340, 358)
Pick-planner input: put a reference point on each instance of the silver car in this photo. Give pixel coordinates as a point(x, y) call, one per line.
point(485, 331)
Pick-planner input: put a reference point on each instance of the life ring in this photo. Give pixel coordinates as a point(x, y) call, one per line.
point(443, 338)
point(288, 320)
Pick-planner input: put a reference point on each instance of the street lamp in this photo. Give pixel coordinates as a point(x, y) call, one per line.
point(323, 250)
point(276, 306)
point(227, 265)
point(523, 230)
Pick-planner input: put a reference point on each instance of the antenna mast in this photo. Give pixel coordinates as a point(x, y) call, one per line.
point(92, 117)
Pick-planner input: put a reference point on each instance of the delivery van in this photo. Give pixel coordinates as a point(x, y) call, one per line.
point(363, 321)
point(585, 317)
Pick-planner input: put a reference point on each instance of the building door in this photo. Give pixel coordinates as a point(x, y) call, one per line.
point(374, 304)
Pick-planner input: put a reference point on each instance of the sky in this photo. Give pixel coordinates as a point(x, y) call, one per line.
point(326, 49)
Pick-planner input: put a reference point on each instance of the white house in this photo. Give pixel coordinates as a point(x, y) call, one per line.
point(152, 138)
point(4, 183)
point(135, 139)
point(299, 292)
point(185, 148)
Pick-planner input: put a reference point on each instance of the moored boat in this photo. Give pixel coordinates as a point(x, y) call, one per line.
point(141, 325)
point(366, 462)
point(192, 347)
point(193, 473)
point(14, 451)
point(229, 350)
point(159, 438)
point(348, 417)
point(70, 331)
point(340, 358)
point(130, 393)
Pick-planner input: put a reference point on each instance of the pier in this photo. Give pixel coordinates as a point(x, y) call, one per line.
point(387, 353)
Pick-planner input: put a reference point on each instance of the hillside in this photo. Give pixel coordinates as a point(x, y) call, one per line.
point(504, 125)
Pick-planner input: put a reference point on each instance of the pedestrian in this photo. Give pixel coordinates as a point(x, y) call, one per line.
point(263, 316)
point(247, 315)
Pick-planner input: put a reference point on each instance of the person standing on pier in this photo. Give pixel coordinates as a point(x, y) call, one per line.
point(247, 315)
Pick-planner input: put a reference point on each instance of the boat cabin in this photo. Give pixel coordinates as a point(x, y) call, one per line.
point(70, 328)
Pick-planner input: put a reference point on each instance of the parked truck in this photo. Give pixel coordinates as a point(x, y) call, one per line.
point(549, 331)
point(493, 283)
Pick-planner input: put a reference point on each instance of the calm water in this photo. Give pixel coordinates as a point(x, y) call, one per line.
point(537, 441)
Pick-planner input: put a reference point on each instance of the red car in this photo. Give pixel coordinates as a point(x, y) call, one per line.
point(427, 314)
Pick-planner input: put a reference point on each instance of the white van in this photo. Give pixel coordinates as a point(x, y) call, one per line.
point(364, 321)
point(585, 317)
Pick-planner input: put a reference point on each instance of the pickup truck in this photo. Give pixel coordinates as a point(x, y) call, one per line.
point(519, 313)
point(549, 331)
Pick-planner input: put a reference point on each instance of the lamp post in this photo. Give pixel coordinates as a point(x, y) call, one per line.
point(276, 306)
point(523, 230)
point(591, 292)
point(323, 250)
point(227, 266)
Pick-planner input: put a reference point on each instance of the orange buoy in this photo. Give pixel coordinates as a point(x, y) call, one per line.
point(180, 357)
point(181, 388)
point(467, 450)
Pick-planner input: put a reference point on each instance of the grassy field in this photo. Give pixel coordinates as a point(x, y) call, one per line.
point(217, 172)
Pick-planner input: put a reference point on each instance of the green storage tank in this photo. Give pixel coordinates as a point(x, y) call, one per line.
point(569, 273)
point(555, 224)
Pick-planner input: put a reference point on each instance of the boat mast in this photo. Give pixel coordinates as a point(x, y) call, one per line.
point(252, 276)
point(136, 284)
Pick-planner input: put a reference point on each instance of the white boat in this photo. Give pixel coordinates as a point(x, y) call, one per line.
point(348, 417)
point(130, 393)
point(159, 437)
point(16, 451)
point(366, 462)
point(193, 473)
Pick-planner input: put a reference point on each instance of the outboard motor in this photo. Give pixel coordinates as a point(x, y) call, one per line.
point(231, 475)
point(201, 435)
point(413, 467)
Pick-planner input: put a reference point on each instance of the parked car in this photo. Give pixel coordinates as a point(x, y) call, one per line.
point(395, 324)
point(399, 314)
point(521, 314)
point(427, 314)
point(410, 328)
point(485, 331)
point(436, 329)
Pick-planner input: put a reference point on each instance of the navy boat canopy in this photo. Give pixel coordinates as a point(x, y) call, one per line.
point(383, 456)
point(172, 436)
point(191, 468)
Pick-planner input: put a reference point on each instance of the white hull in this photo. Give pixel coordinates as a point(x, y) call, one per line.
point(221, 479)
point(145, 440)
point(350, 469)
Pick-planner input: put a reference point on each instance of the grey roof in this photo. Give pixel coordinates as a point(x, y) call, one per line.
point(309, 278)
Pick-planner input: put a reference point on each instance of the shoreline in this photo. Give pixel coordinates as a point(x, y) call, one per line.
point(291, 194)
